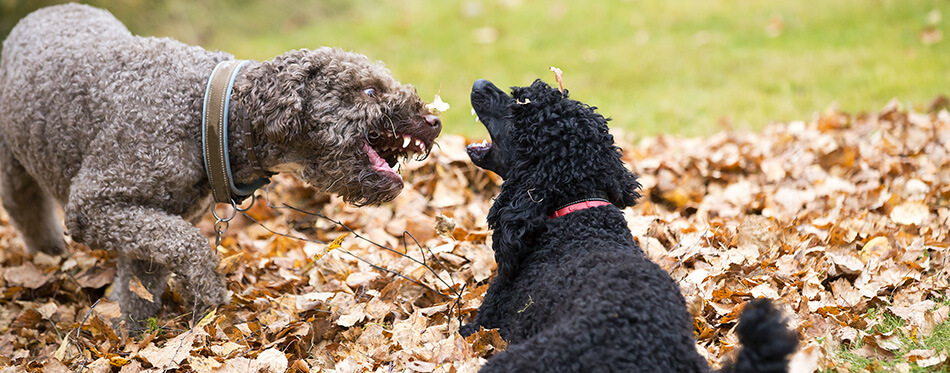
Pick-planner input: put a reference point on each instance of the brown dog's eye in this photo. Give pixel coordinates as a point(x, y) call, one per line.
point(371, 92)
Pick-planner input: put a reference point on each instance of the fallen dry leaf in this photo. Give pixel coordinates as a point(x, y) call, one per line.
point(26, 275)
point(909, 213)
point(202, 364)
point(171, 354)
point(437, 105)
point(135, 286)
point(926, 358)
point(486, 342)
point(559, 77)
point(272, 361)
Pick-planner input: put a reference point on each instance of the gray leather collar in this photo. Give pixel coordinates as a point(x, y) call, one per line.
point(214, 136)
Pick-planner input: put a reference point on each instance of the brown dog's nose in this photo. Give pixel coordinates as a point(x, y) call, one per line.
point(433, 120)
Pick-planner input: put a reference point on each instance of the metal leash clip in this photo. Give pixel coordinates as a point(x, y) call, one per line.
point(221, 224)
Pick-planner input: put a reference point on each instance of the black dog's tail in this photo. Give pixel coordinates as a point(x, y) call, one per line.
point(766, 340)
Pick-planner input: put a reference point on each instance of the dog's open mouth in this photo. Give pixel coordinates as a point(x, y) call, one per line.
point(385, 150)
point(478, 151)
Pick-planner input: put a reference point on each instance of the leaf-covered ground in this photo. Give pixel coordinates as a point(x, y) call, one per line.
point(844, 218)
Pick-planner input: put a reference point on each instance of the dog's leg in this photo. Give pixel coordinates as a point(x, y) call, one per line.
point(492, 313)
point(149, 236)
point(151, 275)
point(32, 211)
point(558, 348)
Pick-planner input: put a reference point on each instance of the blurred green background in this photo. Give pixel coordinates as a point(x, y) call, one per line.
point(690, 67)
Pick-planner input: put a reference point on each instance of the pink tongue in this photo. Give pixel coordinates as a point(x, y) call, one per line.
point(379, 164)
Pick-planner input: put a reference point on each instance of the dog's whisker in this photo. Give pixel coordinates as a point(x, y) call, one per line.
point(391, 124)
point(429, 151)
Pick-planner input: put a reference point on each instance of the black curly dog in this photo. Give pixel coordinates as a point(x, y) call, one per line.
point(573, 292)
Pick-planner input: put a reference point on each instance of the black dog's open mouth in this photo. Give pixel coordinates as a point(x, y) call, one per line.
point(492, 107)
point(386, 149)
point(478, 151)
point(483, 94)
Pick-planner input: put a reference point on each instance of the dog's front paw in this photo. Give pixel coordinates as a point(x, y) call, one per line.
point(207, 292)
point(218, 298)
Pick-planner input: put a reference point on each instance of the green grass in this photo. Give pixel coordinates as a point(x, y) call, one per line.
point(151, 325)
point(654, 66)
point(938, 339)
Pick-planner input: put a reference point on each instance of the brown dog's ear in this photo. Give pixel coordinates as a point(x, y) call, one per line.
point(279, 93)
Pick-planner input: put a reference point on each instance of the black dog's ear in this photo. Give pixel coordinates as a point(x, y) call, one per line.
point(517, 219)
point(624, 192)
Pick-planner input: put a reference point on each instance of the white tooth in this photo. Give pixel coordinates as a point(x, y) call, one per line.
point(484, 142)
point(405, 141)
point(419, 143)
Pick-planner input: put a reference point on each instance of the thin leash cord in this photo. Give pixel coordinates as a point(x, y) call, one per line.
point(456, 292)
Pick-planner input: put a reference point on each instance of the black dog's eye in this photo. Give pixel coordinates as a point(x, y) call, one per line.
point(371, 92)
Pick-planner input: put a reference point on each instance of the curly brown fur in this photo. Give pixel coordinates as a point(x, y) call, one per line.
point(575, 293)
point(108, 124)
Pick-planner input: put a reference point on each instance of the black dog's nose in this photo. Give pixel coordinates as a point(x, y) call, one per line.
point(480, 85)
point(433, 120)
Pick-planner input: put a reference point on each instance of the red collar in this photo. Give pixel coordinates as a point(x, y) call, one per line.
point(577, 206)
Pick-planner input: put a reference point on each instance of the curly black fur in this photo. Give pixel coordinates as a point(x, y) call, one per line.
point(765, 339)
point(576, 293)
